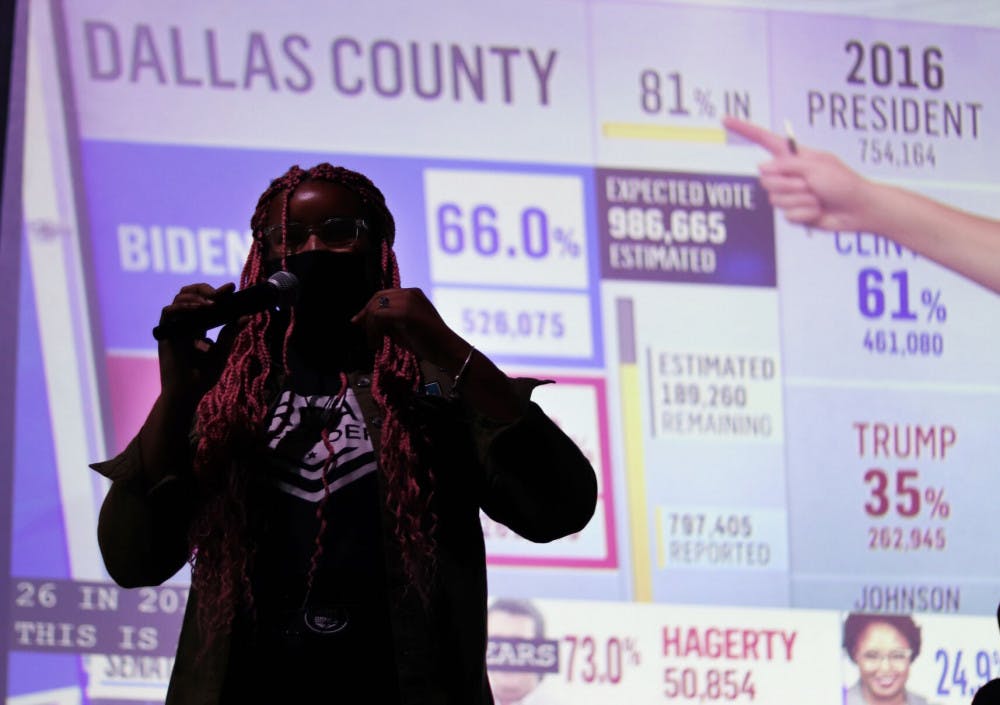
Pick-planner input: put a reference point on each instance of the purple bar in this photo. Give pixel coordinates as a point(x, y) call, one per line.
point(626, 331)
point(685, 227)
point(522, 655)
point(65, 616)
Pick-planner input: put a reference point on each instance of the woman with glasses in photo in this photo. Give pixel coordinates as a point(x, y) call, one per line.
point(883, 646)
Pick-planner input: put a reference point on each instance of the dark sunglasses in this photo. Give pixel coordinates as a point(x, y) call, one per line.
point(333, 232)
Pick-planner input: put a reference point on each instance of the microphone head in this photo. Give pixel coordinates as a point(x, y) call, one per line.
point(286, 285)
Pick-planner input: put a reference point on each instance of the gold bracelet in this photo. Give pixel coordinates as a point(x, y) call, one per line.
point(461, 372)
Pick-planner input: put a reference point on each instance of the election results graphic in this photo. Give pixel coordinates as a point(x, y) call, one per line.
point(793, 430)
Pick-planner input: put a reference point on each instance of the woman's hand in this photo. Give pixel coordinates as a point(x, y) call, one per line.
point(409, 318)
point(811, 187)
point(190, 365)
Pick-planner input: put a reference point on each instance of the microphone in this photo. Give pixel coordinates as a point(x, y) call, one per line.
point(281, 289)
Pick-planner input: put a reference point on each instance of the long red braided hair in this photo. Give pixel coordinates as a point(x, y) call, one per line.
point(231, 415)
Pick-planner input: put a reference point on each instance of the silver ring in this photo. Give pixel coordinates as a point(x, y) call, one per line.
point(383, 302)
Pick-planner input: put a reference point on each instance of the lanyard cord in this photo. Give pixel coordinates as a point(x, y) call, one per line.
point(328, 464)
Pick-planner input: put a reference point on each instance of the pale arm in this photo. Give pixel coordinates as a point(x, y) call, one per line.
point(816, 189)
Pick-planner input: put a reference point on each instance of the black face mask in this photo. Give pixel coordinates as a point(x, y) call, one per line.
point(333, 286)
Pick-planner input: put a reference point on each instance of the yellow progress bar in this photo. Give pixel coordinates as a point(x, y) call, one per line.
point(639, 131)
point(635, 473)
point(661, 558)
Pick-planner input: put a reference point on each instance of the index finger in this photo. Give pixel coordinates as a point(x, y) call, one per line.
point(227, 288)
point(772, 142)
point(360, 316)
point(207, 290)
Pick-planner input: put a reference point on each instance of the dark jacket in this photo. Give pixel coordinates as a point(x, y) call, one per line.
point(526, 474)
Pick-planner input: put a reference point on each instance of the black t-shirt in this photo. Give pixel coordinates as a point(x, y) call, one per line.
point(330, 642)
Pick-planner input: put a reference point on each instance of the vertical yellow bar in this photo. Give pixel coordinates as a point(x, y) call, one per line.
point(635, 471)
point(661, 557)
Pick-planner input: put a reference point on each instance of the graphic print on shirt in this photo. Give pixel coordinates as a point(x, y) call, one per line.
point(298, 454)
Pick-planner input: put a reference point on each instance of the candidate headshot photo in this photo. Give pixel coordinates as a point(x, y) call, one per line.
point(883, 646)
point(516, 620)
